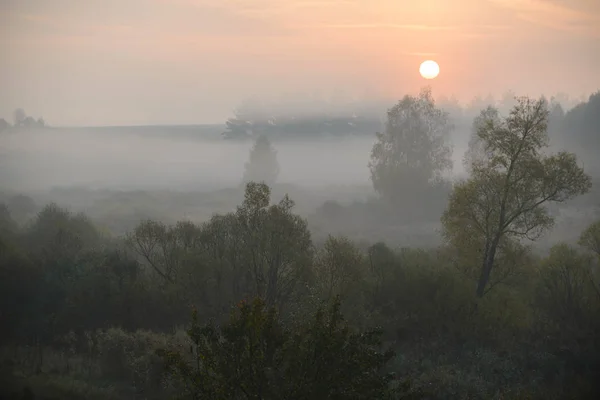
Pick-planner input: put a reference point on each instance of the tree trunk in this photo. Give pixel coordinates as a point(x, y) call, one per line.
point(486, 267)
point(486, 270)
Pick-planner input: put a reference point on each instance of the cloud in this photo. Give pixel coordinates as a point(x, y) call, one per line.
point(414, 27)
point(378, 25)
point(576, 16)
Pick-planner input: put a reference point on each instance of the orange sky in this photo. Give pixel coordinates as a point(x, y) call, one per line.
point(96, 62)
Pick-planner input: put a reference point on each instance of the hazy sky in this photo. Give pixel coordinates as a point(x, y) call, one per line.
point(93, 62)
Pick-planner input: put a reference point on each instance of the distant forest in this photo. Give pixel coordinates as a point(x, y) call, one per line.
point(253, 119)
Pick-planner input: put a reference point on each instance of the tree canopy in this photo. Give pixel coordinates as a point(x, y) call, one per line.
point(412, 151)
point(255, 356)
point(511, 180)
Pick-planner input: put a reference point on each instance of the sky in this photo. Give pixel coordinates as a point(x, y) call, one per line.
point(130, 62)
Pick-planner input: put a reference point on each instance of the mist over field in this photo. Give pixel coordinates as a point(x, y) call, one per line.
point(179, 158)
point(118, 158)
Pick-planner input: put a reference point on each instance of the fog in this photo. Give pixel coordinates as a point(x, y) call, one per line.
point(221, 199)
point(121, 159)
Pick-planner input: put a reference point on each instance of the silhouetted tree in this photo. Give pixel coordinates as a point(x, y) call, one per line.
point(262, 165)
point(19, 117)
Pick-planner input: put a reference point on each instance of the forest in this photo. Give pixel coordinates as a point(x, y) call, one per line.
point(255, 299)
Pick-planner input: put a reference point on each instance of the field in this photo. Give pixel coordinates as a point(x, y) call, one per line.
point(121, 175)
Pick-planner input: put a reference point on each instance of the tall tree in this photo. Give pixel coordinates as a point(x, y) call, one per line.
point(412, 151)
point(262, 165)
point(276, 245)
point(511, 180)
point(19, 116)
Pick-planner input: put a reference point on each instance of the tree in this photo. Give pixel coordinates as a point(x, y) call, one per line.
point(555, 119)
point(262, 165)
point(19, 117)
point(412, 151)
point(339, 263)
point(165, 249)
point(568, 292)
point(507, 101)
point(255, 356)
point(590, 238)
point(584, 119)
point(21, 207)
point(4, 125)
point(276, 245)
point(511, 181)
point(250, 119)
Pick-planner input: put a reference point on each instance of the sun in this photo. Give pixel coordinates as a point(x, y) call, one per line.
point(429, 69)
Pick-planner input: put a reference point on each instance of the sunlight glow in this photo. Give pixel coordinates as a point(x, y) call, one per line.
point(429, 69)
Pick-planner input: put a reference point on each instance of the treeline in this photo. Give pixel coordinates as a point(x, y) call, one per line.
point(92, 316)
point(252, 119)
point(276, 315)
point(22, 120)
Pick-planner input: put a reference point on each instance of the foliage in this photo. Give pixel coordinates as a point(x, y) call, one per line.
point(253, 118)
point(277, 245)
point(412, 151)
point(164, 248)
point(568, 287)
point(583, 121)
point(590, 238)
point(254, 357)
point(82, 315)
point(511, 180)
point(340, 270)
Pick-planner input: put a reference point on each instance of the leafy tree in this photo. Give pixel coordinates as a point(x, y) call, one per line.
point(511, 181)
point(107, 287)
point(590, 238)
point(568, 291)
point(158, 245)
point(58, 242)
point(19, 283)
point(340, 270)
point(262, 165)
point(276, 245)
point(254, 356)
point(412, 151)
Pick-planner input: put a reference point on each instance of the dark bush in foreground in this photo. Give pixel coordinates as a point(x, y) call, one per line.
point(254, 356)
